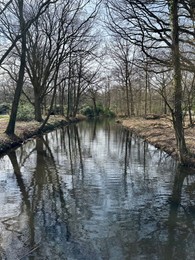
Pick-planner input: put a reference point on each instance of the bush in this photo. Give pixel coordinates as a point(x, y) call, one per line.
point(109, 113)
point(87, 111)
point(100, 111)
point(56, 110)
point(4, 109)
point(25, 112)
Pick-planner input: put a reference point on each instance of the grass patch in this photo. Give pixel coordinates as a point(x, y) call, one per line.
point(4, 117)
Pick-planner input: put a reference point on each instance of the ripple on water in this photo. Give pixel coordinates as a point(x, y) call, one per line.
point(90, 193)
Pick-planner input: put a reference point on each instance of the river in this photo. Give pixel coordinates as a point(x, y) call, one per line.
point(95, 191)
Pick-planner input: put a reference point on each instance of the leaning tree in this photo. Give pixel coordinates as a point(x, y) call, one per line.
point(14, 25)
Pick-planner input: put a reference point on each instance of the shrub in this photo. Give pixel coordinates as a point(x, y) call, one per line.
point(25, 112)
point(87, 111)
point(4, 109)
point(56, 110)
point(100, 111)
point(109, 113)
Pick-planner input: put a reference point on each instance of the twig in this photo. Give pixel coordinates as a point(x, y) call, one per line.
point(32, 250)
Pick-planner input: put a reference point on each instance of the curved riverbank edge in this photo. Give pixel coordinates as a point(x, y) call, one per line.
point(160, 133)
point(27, 130)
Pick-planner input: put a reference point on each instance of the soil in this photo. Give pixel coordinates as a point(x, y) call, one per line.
point(26, 130)
point(160, 133)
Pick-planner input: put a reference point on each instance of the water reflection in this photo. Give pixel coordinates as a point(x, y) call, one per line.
point(95, 191)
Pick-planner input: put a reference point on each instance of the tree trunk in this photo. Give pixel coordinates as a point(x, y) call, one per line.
point(190, 115)
point(164, 100)
point(76, 103)
point(69, 97)
point(127, 87)
point(52, 99)
point(38, 113)
point(146, 90)
point(19, 85)
point(177, 115)
point(61, 98)
point(131, 99)
point(94, 105)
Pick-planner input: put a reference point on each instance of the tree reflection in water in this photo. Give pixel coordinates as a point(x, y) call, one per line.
point(96, 191)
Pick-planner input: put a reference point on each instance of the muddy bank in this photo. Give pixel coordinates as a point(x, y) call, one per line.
point(27, 130)
point(160, 133)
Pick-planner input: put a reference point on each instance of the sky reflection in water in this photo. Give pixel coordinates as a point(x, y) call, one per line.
point(95, 191)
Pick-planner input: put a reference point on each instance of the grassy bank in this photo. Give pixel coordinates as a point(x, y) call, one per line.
point(26, 130)
point(160, 133)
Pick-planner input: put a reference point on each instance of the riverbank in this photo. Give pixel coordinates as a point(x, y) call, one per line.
point(26, 130)
point(160, 133)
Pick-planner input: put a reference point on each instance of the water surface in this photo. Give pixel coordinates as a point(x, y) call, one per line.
point(95, 191)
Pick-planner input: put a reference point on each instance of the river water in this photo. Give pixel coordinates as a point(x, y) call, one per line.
point(95, 191)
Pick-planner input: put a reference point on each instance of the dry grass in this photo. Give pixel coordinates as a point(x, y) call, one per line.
point(160, 133)
point(23, 131)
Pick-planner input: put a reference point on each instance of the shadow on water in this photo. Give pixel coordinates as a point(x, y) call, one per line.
point(95, 191)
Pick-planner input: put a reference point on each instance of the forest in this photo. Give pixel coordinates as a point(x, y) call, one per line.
point(125, 58)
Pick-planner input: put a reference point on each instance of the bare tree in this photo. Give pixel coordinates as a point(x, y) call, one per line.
point(6, 11)
point(177, 114)
point(189, 93)
point(11, 125)
point(55, 40)
point(123, 55)
point(164, 42)
point(14, 32)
